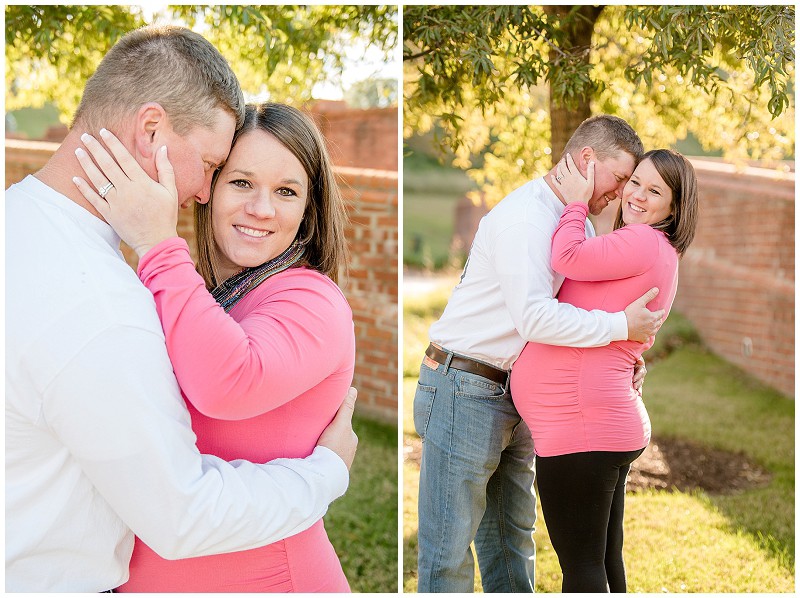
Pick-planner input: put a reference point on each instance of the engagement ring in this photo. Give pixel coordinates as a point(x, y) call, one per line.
point(105, 189)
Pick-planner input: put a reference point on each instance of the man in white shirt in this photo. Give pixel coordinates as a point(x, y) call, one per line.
point(477, 469)
point(99, 445)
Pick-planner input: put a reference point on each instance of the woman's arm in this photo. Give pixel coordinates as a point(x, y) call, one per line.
point(299, 332)
point(626, 252)
point(227, 369)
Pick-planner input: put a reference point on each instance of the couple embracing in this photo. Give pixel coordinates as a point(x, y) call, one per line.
point(116, 383)
point(537, 358)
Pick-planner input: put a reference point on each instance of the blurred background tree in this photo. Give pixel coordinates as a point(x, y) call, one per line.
point(279, 52)
point(503, 87)
point(374, 92)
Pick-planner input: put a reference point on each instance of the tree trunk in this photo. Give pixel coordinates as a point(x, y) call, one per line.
point(563, 120)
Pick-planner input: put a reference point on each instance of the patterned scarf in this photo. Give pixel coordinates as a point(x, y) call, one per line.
point(237, 286)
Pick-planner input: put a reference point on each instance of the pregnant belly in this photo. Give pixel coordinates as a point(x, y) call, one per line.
point(577, 400)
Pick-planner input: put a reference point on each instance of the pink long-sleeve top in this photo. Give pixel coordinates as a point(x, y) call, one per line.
point(261, 382)
point(578, 400)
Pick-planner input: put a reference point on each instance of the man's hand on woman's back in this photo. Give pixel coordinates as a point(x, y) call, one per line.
point(643, 323)
point(339, 435)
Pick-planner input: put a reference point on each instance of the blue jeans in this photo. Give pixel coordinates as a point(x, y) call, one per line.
point(476, 483)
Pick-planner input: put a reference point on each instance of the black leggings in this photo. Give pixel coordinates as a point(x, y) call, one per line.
point(583, 501)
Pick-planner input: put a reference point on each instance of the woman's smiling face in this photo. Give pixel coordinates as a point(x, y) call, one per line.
point(646, 198)
point(258, 204)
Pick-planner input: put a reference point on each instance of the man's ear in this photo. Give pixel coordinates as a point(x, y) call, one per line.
point(149, 129)
point(585, 155)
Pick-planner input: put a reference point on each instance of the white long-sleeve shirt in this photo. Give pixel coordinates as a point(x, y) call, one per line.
point(99, 445)
point(506, 294)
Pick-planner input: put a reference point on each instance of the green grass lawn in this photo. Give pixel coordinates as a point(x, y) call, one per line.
point(34, 122)
point(362, 525)
point(418, 314)
point(430, 189)
point(674, 542)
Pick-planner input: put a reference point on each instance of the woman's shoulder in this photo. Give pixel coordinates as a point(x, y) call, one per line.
point(653, 235)
point(303, 280)
point(642, 243)
point(643, 232)
point(639, 228)
point(307, 277)
point(651, 241)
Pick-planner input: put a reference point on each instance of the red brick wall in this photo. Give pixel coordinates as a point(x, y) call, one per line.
point(737, 278)
point(370, 286)
point(361, 138)
point(25, 157)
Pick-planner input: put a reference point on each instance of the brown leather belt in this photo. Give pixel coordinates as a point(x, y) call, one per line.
point(468, 365)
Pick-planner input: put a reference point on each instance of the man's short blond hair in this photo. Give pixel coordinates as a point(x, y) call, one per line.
point(608, 136)
point(173, 66)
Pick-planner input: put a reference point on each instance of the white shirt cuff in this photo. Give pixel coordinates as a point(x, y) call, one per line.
point(619, 326)
point(330, 461)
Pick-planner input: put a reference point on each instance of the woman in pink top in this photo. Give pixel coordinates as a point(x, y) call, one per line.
point(588, 423)
point(261, 341)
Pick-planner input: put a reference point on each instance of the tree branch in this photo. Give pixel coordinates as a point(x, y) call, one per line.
point(420, 54)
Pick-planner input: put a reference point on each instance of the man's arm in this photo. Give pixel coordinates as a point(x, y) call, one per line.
point(522, 261)
point(118, 410)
